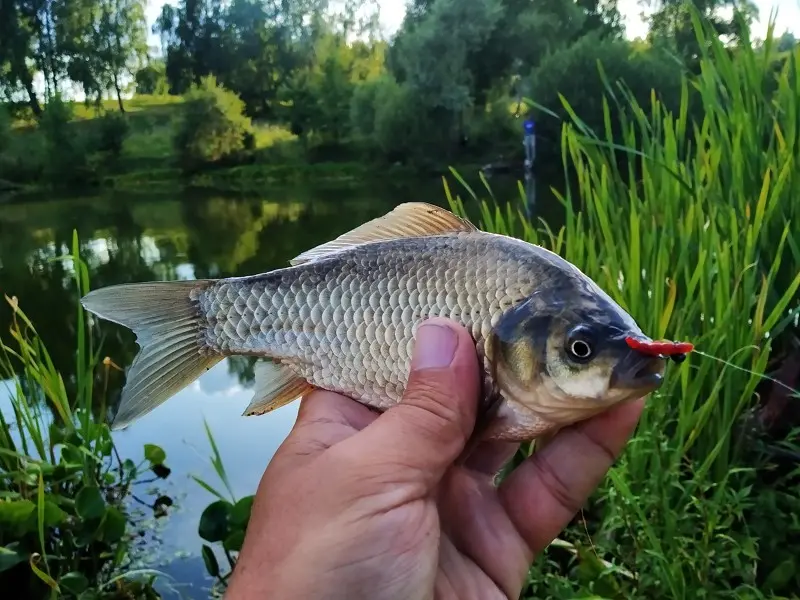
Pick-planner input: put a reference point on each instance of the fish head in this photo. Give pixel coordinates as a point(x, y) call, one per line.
point(561, 358)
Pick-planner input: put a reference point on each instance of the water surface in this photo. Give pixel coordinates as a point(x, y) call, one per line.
point(127, 238)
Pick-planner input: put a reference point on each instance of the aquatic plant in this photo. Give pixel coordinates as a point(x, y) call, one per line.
point(687, 224)
point(224, 521)
point(64, 525)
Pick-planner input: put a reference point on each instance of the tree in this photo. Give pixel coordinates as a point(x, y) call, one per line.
point(20, 26)
point(786, 42)
point(121, 42)
point(104, 42)
point(152, 78)
point(671, 23)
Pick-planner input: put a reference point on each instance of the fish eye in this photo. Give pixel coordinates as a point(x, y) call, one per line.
point(579, 345)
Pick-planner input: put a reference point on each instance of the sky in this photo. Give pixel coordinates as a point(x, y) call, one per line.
point(392, 12)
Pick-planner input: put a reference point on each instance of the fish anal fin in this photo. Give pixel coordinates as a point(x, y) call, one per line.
point(411, 219)
point(275, 386)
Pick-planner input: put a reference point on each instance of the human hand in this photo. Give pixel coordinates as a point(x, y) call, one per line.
point(354, 505)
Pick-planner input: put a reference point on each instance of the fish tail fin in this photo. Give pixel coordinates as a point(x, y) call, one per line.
point(167, 322)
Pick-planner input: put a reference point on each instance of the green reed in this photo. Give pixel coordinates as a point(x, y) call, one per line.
point(64, 526)
point(685, 219)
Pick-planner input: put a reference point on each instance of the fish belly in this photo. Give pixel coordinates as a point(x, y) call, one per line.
point(347, 323)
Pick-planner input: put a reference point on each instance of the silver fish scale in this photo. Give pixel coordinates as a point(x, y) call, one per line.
point(347, 323)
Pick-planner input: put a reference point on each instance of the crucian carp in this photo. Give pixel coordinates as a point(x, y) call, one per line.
point(554, 347)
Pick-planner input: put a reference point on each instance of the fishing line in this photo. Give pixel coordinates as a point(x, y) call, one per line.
point(737, 367)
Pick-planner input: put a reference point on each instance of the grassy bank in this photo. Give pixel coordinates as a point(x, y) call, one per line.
point(97, 146)
point(147, 159)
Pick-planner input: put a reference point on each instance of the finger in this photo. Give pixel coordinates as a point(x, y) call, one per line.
point(546, 491)
point(323, 420)
point(427, 430)
point(478, 525)
point(489, 457)
point(321, 408)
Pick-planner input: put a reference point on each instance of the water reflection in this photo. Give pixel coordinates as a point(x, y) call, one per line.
point(128, 239)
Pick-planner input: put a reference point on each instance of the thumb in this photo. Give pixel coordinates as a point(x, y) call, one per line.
point(429, 428)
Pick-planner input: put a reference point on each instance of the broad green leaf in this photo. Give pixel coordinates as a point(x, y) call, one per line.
point(17, 516)
point(53, 515)
point(240, 513)
point(781, 575)
point(74, 582)
point(154, 454)
point(210, 560)
point(215, 521)
point(114, 525)
point(89, 503)
point(233, 543)
point(10, 556)
point(129, 468)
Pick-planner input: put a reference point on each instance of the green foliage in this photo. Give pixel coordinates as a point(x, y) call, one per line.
point(114, 128)
point(688, 225)
point(390, 124)
point(224, 521)
point(5, 129)
point(429, 97)
point(66, 154)
point(581, 73)
point(494, 127)
point(316, 100)
point(212, 126)
point(152, 79)
point(64, 526)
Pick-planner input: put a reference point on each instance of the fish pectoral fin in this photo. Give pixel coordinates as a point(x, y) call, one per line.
point(275, 386)
point(166, 322)
point(411, 219)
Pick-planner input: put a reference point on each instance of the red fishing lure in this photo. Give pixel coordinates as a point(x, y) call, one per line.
point(677, 351)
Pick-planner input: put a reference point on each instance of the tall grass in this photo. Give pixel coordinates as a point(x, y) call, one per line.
point(687, 223)
point(64, 527)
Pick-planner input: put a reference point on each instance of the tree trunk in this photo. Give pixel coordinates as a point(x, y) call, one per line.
point(119, 94)
point(33, 100)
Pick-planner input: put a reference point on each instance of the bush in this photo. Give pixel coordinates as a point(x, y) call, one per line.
point(5, 129)
point(66, 156)
point(113, 129)
point(495, 128)
point(212, 126)
point(151, 80)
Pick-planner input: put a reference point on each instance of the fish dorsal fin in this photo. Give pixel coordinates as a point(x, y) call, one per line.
point(411, 219)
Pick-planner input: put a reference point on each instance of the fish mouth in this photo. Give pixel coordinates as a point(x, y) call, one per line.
point(639, 373)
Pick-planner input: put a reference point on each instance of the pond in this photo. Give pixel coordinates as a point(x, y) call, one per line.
point(193, 234)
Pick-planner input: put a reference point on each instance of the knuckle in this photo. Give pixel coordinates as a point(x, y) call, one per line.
point(598, 445)
point(435, 397)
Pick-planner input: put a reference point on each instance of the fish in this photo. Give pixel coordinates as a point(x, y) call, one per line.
point(553, 347)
